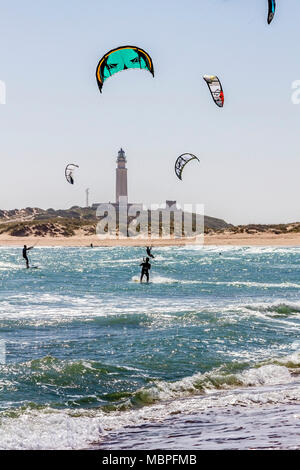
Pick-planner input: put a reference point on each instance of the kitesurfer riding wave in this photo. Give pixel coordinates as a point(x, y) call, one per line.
point(25, 250)
point(146, 266)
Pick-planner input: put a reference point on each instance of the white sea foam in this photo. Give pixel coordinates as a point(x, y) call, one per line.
point(48, 430)
point(157, 279)
point(4, 266)
point(212, 249)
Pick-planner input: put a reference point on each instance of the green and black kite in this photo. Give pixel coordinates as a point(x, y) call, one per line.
point(122, 58)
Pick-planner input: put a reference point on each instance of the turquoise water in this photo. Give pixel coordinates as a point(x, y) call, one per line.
point(89, 349)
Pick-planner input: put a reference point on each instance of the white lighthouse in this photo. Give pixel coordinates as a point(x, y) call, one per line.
point(121, 177)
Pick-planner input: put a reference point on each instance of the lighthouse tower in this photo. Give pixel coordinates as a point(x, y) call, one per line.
point(121, 177)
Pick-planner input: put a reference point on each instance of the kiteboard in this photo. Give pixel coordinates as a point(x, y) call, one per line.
point(144, 282)
point(137, 279)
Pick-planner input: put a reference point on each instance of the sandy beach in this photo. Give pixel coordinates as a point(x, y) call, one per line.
point(226, 238)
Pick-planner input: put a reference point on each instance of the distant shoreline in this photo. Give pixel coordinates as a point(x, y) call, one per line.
point(77, 227)
point(219, 239)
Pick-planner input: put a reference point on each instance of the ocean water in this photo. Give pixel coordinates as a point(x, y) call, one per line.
point(207, 355)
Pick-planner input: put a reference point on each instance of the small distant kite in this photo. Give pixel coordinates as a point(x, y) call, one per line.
point(215, 89)
point(122, 58)
point(69, 172)
point(272, 9)
point(181, 161)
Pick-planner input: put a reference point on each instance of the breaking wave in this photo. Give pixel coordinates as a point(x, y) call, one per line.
point(46, 428)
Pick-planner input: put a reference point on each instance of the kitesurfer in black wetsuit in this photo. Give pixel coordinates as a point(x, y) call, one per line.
point(146, 266)
point(148, 249)
point(25, 249)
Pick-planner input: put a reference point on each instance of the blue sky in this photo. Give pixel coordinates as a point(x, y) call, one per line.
point(54, 114)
